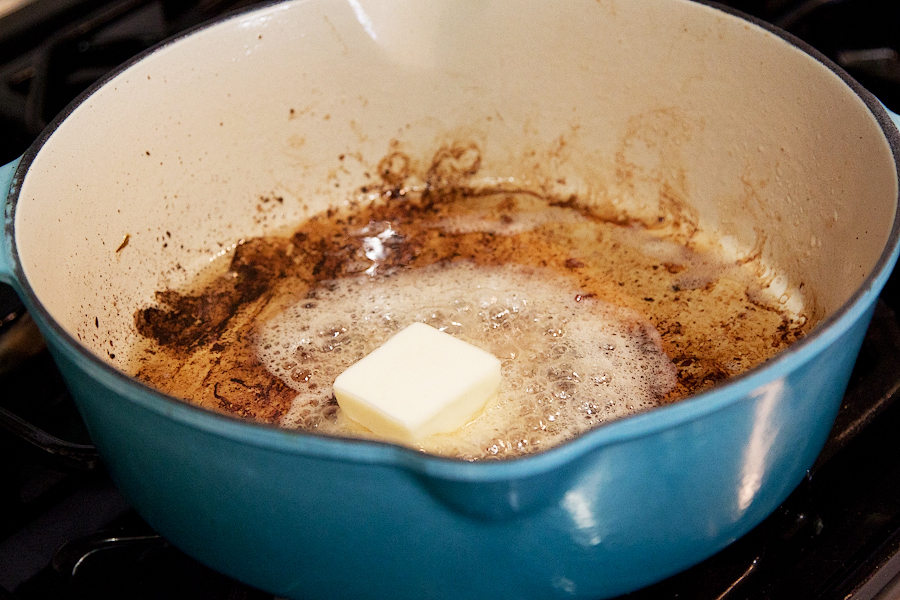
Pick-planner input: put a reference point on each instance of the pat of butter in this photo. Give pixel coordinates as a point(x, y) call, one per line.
point(420, 382)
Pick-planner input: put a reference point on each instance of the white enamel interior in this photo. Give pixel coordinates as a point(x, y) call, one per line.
point(771, 148)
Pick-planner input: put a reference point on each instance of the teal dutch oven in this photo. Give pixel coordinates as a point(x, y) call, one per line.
point(158, 169)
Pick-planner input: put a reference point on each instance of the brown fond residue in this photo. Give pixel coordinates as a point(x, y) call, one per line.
point(200, 343)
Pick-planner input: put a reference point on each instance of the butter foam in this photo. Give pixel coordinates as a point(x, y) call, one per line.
point(569, 362)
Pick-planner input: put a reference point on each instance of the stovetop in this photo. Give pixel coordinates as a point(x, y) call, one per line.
point(66, 533)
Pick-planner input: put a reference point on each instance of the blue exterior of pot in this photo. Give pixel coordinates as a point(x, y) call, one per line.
point(305, 516)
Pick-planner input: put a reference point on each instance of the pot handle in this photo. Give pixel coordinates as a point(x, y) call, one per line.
point(61, 454)
point(894, 116)
point(7, 173)
point(56, 453)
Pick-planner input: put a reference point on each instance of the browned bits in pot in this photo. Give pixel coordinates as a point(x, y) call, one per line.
point(200, 341)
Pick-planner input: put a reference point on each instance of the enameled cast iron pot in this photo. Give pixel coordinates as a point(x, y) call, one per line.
point(639, 106)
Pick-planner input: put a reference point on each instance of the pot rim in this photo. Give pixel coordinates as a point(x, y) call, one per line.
point(682, 412)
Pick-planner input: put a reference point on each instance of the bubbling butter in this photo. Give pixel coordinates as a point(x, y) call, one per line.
point(569, 362)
